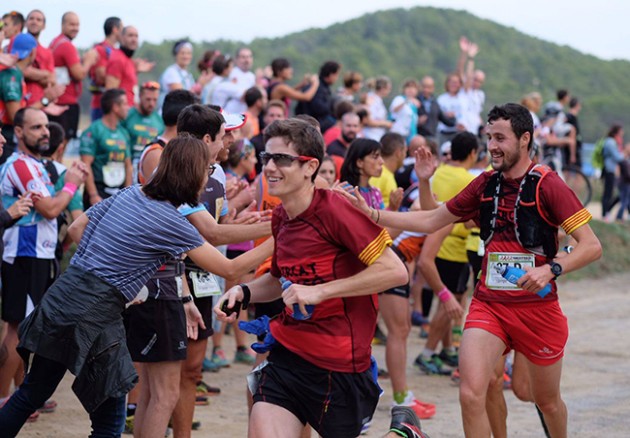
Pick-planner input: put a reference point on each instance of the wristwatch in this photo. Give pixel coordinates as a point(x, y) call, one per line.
point(45, 101)
point(187, 299)
point(556, 269)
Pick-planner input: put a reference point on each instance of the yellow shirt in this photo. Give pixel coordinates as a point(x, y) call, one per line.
point(386, 183)
point(448, 181)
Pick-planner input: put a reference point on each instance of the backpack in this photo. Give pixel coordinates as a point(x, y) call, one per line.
point(597, 159)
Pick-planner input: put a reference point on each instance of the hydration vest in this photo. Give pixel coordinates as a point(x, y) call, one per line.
point(534, 231)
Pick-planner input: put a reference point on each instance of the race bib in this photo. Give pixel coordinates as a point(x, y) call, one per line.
point(204, 284)
point(62, 75)
point(496, 260)
point(114, 174)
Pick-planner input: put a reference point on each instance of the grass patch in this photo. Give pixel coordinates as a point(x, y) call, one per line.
point(615, 240)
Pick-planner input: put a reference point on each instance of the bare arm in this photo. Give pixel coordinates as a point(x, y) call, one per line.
point(80, 70)
point(587, 250)
point(264, 289)
point(150, 162)
point(76, 228)
point(220, 234)
point(211, 260)
point(292, 93)
point(90, 185)
point(52, 206)
point(128, 172)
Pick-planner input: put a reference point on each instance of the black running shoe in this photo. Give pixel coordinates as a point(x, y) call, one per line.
point(405, 423)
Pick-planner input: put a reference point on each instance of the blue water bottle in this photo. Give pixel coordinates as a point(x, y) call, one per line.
point(297, 313)
point(512, 274)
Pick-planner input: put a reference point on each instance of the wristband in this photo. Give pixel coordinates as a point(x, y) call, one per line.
point(69, 188)
point(444, 295)
point(187, 299)
point(247, 295)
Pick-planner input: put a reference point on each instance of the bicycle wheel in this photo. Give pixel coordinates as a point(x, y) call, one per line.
point(579, 183)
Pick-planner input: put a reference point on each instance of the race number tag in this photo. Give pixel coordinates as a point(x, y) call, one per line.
point(204, 284)
point(114, 174)
point(496, 260)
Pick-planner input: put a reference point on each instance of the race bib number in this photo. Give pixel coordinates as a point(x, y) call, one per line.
point(496, 260)
point(204, 284)
point(114, 174)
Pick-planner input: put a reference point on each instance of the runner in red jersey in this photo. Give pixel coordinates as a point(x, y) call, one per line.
point(503, 316)
point(337, 260)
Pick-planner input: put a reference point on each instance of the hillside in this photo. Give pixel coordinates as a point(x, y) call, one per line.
point(413, 42)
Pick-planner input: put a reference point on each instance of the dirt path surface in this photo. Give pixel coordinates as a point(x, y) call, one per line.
point(595, 382)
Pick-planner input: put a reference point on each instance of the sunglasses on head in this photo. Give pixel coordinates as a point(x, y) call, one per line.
point(283, 160)
point(150, 85)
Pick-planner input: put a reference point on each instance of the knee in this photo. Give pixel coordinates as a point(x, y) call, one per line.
point(521, 389)
point(191, 373)
point(549, 405)
point(399, 329)
point(471, 398)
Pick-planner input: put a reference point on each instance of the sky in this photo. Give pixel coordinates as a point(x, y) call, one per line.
point(598, 28)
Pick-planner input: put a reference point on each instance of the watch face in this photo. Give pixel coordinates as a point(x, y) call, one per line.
point(556, 269)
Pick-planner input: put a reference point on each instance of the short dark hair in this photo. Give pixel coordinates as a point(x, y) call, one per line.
point(252, 95)
point(279, 64)
point(18, 118)
point(16, 18)
point(613, 131)
point(36, 10)
point(520, 119)
point(561, 94)
point(574, 102)
point(305, 139)
point(328, 68)
point(359, 148)
point(199, 120)
point(57, 135)
point(181, 172)
point(351, 78)
point(391, 142)
point(342, 107)
point(110, 24)
point(310, 120)
point(110, 97)
point(462, 145)
point(174, 102)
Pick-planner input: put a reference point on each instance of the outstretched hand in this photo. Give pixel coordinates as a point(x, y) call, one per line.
point(425, 164)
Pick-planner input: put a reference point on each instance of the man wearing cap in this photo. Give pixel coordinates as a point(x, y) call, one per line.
point(70, 71)
point(13, 88)
point(143, 123)
point(40, 76)
point(105, 148)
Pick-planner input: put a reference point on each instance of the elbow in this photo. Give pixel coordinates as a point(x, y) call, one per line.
point(597, 250)
point(398, 273)
point(232, 274)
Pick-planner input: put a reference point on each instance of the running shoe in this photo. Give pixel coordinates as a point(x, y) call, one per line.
point(202, 400)
point(418, 319)
point(432, 366)
point(220, 359)
point(421, 409)
point(129, 425)
point(424, 331)
point(455, 377)
point(210, 366)
point(247, 357)
point(204, 389)
point(405, 423)
point(48, 407)
point(450, 359)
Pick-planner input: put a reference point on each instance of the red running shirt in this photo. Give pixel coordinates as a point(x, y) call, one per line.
point(328, 241)
point(558, 201)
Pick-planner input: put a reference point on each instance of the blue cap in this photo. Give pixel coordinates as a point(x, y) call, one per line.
point(23, 45)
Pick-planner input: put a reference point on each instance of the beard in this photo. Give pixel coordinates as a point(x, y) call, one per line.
point(38, 147)
point(348, 139)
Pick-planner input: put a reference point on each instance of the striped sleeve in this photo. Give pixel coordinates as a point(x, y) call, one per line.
point(574, 222)
point(25, 178)
point(374, 250)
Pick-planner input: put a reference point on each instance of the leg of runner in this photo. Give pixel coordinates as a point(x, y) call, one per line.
point(157, 398)
point(495, 402)
point(190, 374)
point(521, 386)
point(545, 386)
point(13, 362)
point(479, 354)
point(273, 421)
point(395, 311)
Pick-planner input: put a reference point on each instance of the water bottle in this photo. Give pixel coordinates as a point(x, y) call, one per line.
point(297, 313)
point(512, 274)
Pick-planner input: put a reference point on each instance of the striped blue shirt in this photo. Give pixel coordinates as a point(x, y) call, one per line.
point(129, 236)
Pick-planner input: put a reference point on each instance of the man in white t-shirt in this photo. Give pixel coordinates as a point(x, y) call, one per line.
point(242, 77)
point(471, 94)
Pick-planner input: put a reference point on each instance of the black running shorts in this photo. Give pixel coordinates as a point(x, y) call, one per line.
point(335, 404)
point(23, 285)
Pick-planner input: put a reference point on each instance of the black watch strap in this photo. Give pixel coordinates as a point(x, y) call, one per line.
point(187, 299)
point(247, 295)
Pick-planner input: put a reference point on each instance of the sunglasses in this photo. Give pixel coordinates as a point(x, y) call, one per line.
point(150, 85)
point(211, 170)
point(283, 160)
